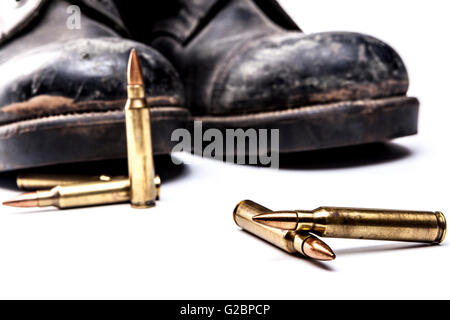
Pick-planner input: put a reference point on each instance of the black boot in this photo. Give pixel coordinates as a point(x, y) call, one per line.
point(63, 89)
point(245, 64)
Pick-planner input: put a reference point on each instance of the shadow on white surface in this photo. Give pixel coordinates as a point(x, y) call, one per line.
point(319, 264)
point(8, 181)
point(118, 167)
point(326, 266)
point(346, 157)
point(25, 211)
point(340, 158)
point(381, 248)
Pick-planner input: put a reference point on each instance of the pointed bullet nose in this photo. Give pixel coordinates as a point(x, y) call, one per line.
point(26, 200)
point(279, 220)
point(135, 77)
point(317, 249)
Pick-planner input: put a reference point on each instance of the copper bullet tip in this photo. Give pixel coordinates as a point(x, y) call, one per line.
point(26, 200)
point(279, 220)
point(135, 77)
point(318, 250)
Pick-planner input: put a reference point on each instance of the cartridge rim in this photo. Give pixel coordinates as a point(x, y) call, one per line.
point(19, 182)
point(236, 210)
point(442, 226)
point(146, 205)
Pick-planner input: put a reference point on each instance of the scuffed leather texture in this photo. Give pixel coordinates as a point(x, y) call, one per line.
point(63, 89)
point(50, 27)
point(79, 76)
point(181, 23)
point(287, 70)
point(243, 62)
point(17, 15)
point(104, 11)
point(54, 70)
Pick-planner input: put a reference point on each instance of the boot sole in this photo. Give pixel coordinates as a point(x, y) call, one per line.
point(330, 125)
point(80, 137)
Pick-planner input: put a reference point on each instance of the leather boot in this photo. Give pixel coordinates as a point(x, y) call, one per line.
point(63, 86)
point(246, 64)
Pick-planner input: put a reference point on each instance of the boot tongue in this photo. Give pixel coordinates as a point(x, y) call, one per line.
point(276, 13)
point(104, 11)
point(183, 18)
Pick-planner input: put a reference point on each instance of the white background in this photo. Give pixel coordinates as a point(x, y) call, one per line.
point(188, 247)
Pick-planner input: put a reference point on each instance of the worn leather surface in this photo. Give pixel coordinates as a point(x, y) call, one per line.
point(50, 69)
point(62, 89)
point(104, 11)
point(242, 60)
point(17, 15)
point(275, 12)
point(82, 75)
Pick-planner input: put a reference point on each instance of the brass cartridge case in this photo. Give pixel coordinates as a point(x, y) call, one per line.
point(354, 223)
point(139, 149)
point(85, 194)
point(33, 182)
point(374, 224)
point(289, 241)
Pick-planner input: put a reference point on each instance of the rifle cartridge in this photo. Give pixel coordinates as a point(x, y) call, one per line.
point(289, 241)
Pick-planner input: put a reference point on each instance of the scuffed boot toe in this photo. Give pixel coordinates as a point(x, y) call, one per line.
point(291, 70)
point(66, 104)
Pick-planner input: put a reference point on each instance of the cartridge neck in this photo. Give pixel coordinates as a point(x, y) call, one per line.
point(136, 92)
point(309, 221)
point(299, 240)
point(48, 198)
